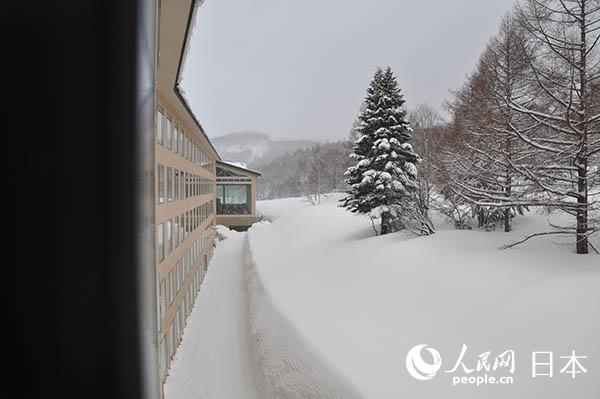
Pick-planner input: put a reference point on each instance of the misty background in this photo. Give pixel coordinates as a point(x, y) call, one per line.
point(298, 70)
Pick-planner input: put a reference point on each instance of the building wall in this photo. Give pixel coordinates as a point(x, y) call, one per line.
point(187, 252)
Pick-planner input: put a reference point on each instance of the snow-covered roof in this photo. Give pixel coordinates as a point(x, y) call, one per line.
point(238, 165)
point(172, 54)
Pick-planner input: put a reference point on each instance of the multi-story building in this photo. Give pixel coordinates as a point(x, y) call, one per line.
point(186, 165)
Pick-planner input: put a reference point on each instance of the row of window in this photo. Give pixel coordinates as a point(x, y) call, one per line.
point(169, 343)
point(170, 134)
point(169, 288)
point(180, 184)
point(171, 340)
point(174, 231)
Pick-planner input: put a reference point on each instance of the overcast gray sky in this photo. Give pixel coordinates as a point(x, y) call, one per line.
point(299, 69)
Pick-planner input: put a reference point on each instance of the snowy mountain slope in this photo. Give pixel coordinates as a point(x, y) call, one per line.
point(250, 148)
point(362, 302)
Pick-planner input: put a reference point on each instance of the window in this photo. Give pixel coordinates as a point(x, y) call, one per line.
point(204, 266)
point(182, 317)
point(161, 184)
point(176, 184)
point(184, 306)
point(169, 184)
point(182, 228)
point(169, 132)
point(178, 278)
point(171, 286)
point(176, 231)
point(171, 339)
point(180, 144)
point(169, 236)
point(159, 126)
point(185, 146)
point(160, 242)
point(182, 185)
point(176, 138)
point(233, 199)
point(163, 357)
point(204, 159)
point(177, 325)
point(162, 299)
point(185, 182)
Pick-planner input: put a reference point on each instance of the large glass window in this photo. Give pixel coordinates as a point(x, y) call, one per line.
point(169, 184)
point(233, 199)
point(161, 184)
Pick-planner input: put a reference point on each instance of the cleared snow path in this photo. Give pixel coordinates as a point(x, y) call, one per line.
point(212, 361)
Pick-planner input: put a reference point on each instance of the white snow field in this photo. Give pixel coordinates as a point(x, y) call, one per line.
point(334, 310)
point(212, 361)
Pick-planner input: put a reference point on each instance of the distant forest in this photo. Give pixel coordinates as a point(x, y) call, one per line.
point(310, 171)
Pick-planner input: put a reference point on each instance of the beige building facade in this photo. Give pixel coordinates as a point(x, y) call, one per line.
point(184, 182)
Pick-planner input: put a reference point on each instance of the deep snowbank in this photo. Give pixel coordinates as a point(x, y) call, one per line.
point(283, 363)
point(362, 302)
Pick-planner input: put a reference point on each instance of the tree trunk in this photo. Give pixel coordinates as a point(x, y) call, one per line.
point(385, 223)
point(507, 213)
point(480, 218)
point(582, 158)
point(507, 217)
point(582, 210)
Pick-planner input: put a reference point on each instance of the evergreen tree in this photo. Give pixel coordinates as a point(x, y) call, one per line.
point(385, 174)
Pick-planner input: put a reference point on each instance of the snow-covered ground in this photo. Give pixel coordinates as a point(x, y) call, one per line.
point(212, 361)
point(313, 305)
point(358, 303)
point(273, 209)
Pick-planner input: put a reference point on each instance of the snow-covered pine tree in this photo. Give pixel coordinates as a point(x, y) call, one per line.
point(385, 174)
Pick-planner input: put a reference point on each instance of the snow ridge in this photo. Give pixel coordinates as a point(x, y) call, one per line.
point(283, 364)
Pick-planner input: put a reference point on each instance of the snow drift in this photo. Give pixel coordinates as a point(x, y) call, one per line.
point(284, 365)
point(359, 303)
